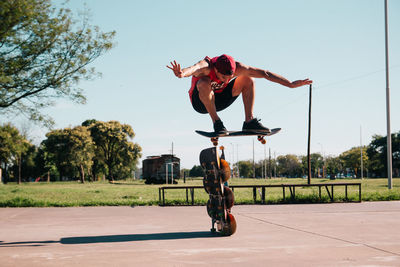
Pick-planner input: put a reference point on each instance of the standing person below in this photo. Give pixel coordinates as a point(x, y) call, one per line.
point(218, 81)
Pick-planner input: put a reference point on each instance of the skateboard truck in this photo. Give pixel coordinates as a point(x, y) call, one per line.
point(214, 140)
point(262, 139)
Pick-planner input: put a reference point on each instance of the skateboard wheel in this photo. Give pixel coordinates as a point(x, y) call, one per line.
point(263, 141)
point(214, 140)
point(225, 170)
point(229, 198)
point(230, 226)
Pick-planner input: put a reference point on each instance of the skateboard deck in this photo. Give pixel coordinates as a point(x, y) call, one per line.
point(221, 198)
point(260, 135)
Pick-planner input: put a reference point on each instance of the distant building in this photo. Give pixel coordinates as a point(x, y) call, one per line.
point(159, 169)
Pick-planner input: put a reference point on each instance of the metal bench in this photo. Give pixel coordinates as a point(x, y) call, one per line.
point(292, 189)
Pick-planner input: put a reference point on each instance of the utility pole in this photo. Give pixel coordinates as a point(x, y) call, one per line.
point(265, 164)
point(274, 164)
point(269, 165)
point(309, 138)
point(237, 160)
point(361, 151)
point(233, 160)
point(389, 135)
point(254, 165)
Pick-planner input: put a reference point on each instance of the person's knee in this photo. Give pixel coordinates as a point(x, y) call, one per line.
point(243, 84)
point(204, 84)
point(247, 81)
point(204, 87)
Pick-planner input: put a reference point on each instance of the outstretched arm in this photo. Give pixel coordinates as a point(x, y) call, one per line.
point(242, 69)
point(198, 69)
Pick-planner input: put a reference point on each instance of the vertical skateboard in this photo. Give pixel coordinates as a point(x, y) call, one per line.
point(221, 198)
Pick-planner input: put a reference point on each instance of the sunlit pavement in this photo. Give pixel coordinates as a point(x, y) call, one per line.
point(355, 234)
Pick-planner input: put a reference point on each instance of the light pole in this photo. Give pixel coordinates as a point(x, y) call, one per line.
point(323, 160)
point(309, 137)
point(233, 160)
point(237, 160)
point(389, 135)
point(361, 152)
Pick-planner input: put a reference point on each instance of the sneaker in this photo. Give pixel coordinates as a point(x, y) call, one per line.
point(255, 126)
point(219, 127)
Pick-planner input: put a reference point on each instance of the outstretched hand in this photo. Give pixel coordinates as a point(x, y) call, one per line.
point(299, 83)
point(176, 68)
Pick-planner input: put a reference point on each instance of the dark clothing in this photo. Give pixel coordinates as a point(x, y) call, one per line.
point(222, 100)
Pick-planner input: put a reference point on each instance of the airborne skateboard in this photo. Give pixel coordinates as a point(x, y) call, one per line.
point(221, 198)
point(260, 135)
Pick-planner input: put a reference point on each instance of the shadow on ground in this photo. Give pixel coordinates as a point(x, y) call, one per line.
point(113, 238)
point(135, 237)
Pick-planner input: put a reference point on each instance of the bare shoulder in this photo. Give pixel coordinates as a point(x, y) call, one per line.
point(203, 69)
point(240, 68)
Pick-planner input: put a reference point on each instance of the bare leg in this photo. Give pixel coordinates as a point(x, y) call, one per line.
point(245, 85)
point(207, 97)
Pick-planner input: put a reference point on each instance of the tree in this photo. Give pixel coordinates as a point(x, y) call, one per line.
point(316, 163)
point(71, 150)
point(334, 165)
point(396, 154)
point(196, 171)
point(45, 164)
point(246, 168)
point(25, 165)
point(352, 159)
point(113, 148)
point(377, 154)
point(12, 146)
point(289, 165)
point(81, 149)
point(44, 53)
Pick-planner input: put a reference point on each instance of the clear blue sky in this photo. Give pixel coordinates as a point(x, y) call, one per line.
point(339, 44)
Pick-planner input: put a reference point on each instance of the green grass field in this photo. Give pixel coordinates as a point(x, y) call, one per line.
point(135, 192)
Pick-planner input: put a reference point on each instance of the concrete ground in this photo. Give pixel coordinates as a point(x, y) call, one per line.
point(356, 234)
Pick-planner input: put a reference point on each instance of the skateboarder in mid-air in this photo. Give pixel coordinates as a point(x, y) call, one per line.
point(218, 81)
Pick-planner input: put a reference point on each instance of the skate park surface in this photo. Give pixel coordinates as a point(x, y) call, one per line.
point(340, 234)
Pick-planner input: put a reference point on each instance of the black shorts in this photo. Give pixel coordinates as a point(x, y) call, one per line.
point(222, 100)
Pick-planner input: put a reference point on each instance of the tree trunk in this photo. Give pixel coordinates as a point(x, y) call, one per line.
point(110, 176)
point(19, 169)
point(48, 176)
point(5, 179)
point(82, 172)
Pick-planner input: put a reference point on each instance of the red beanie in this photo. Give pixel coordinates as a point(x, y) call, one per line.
point(225, 65)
